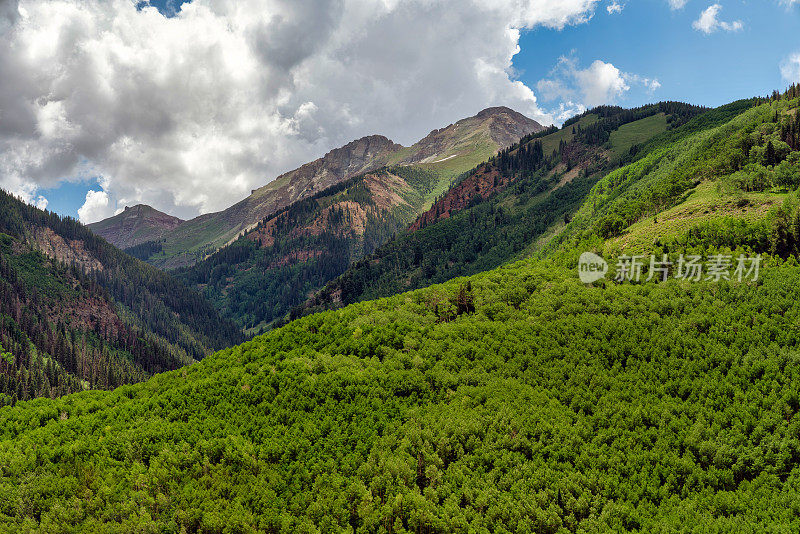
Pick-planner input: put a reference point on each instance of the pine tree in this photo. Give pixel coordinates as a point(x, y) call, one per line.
point(770, 153)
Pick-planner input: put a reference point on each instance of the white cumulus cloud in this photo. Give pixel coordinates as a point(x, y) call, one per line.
point(615, 7)
point(601, 83)
point(790, 68)
point(709, 22)
point(677, 4)
point(95, 208)
point(190, 113)
point(581, 88)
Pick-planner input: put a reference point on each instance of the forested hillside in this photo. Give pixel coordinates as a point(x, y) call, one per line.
point(726, 179)
point(275, 266)
point(77, 313)
point(516, 401)
point(499, 211)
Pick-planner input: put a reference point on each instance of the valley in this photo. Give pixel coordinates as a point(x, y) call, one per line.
point(459, 376)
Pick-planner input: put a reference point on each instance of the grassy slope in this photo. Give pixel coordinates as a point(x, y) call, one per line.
point(705, 203)
point(628, 135)
point(552, 141)
point(622, 140)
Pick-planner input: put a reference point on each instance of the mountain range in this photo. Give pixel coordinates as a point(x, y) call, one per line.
point(280, 263)
point(510, 397)
point(484, 364)
point(169, 243)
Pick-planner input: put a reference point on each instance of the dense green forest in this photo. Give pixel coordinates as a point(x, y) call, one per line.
point(544, 189)
point(77, 313)
point(517, 401)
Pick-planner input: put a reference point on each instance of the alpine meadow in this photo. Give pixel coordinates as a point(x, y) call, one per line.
point(228, 305)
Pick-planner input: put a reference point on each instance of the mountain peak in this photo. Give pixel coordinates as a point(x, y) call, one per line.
point(353, 154)
point(498, 127)
point(508, 126)
point(496, 110)
point(135, 225)
point(140, 207)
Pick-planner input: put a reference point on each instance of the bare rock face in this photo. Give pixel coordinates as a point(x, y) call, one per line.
point(481, 184)
point(361, 155)
point(358, 156)
point(66, 251)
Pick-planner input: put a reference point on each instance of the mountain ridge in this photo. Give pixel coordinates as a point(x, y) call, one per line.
point(452, 149)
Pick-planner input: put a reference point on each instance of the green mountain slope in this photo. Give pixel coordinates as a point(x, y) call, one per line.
point(515, 400)
point(728, 179)
point(77, 313)
point(499, 212)
point(524, 402)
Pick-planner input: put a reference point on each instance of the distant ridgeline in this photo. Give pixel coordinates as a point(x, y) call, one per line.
point(77, 313)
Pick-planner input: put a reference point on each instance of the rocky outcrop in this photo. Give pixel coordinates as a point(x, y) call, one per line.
point(482, 184)
point(67, 252)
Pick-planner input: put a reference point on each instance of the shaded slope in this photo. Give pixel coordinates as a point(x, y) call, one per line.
point(76, 312)
point(275, 266)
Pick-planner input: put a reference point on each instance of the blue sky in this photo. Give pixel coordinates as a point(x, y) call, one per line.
point(190, 113)
point(650, 39)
